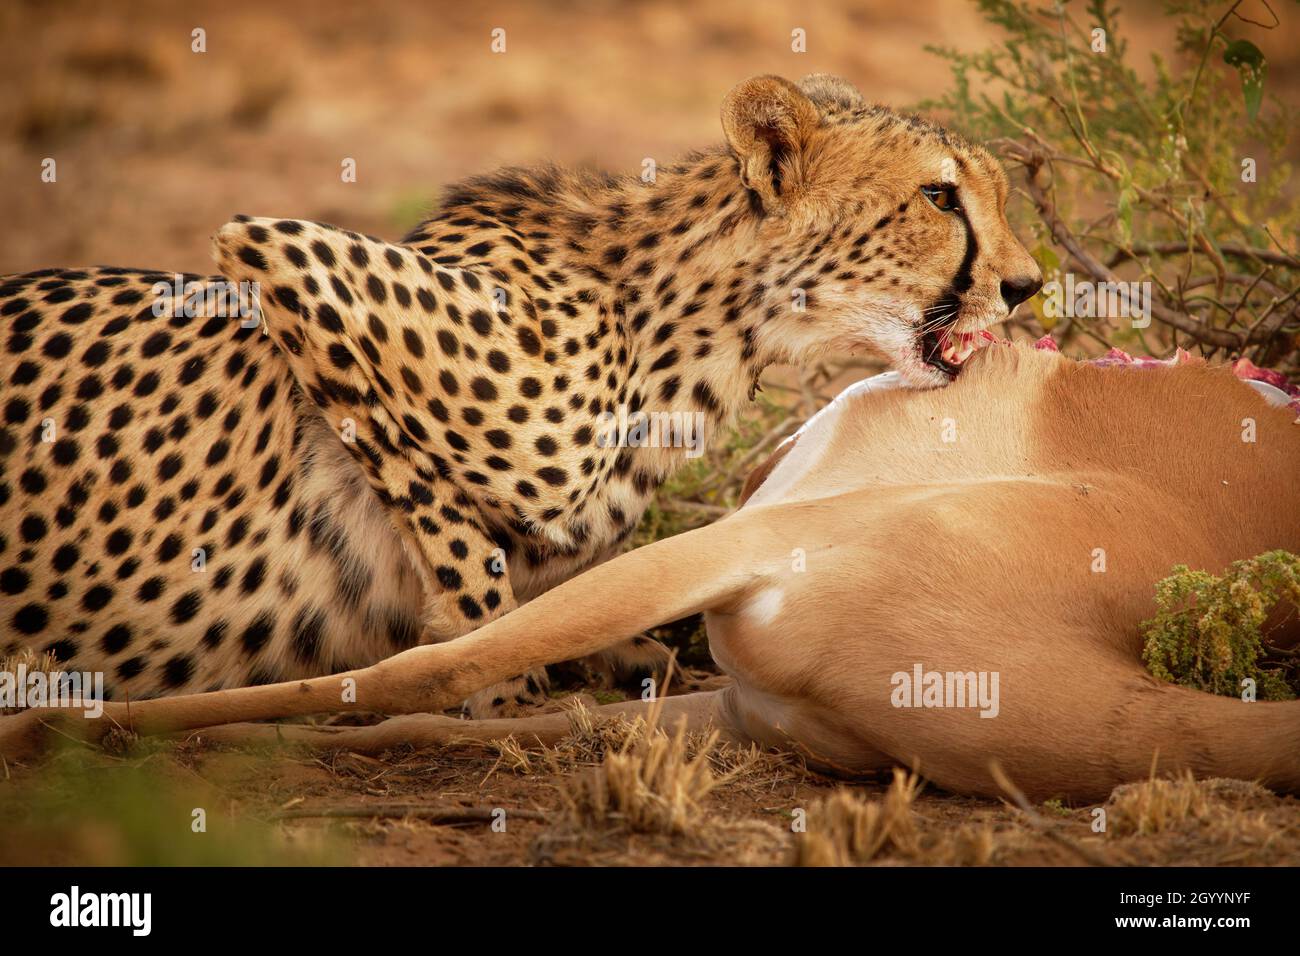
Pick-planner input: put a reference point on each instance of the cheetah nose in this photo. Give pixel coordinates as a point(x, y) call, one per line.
point(1015, 291)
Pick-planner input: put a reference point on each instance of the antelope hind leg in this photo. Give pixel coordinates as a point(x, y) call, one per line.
point(707, 710)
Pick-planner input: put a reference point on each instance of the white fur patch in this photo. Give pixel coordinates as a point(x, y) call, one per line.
point(763, 607)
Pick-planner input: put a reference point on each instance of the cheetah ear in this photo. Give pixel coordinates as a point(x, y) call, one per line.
point(767, 121)
point(832, 94)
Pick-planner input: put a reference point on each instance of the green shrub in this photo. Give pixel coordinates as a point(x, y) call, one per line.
point(1208, 632)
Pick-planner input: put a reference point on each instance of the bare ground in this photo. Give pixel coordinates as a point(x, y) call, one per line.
point(617, 794)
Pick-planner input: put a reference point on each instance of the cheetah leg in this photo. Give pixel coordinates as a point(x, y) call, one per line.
point(465, 570)
point(582, 616)
point(631, 663)
point(464, 566)
point(326, 334)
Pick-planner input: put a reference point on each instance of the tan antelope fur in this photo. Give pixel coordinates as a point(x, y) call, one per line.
point(872, 546)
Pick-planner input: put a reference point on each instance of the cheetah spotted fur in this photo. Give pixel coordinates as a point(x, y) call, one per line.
point(406, 447)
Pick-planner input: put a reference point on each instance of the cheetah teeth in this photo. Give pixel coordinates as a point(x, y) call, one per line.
point(957, 347)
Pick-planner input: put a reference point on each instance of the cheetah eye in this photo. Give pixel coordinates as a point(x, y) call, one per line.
point(943, 197)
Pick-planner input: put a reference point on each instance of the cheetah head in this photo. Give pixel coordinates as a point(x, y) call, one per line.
point(893, 228)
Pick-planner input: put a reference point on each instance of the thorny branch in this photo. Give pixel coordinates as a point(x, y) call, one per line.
point(1037, 159)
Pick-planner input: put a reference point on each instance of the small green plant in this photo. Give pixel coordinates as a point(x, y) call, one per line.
point(409, 208)
point(1057, 806)
point(1208, 633)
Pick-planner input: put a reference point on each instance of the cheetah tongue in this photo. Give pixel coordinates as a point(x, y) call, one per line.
point(957, 347)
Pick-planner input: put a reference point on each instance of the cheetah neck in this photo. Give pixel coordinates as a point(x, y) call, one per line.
point(661, 272)
point(686, 286)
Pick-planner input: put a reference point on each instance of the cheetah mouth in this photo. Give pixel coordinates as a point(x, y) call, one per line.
point(946, 351)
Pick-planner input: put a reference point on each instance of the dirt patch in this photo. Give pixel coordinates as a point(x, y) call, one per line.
point(612, 793)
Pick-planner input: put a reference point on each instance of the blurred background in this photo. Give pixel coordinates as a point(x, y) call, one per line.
point(156, 145)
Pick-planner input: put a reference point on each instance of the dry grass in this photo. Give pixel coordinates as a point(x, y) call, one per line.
point(846, 830)
point(620, 790)
point(35, 663)
point(1183, 820)
point(630, 790)
point(646, 781)
point(969, 845)
point(1161, 805)
point(592, 736)
point(512, 756)
point(613, 792)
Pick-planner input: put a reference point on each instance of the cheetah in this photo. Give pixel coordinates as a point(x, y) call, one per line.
point(407, 441)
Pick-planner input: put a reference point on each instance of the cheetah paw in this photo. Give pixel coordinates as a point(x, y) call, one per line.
point(629, 665)
point(510, 698)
